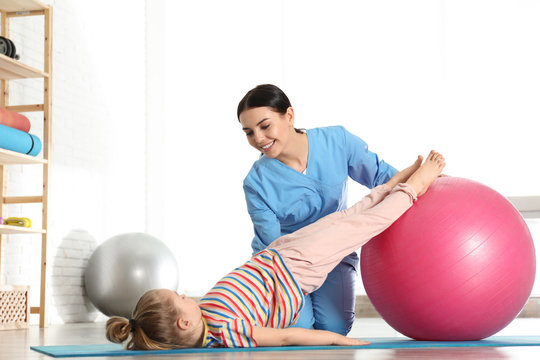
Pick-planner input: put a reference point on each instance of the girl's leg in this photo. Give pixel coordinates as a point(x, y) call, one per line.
point(312, 252)
point(373, 198)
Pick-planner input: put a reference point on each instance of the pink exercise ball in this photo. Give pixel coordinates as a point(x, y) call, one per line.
point(458, 265)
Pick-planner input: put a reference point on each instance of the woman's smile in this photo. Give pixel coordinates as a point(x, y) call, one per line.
point(268, 146)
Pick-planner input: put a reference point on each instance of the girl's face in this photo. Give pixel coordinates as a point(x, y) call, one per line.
point(267, 130)
point(186, 306)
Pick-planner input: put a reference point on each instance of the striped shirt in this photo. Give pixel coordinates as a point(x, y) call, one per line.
point(262, 292)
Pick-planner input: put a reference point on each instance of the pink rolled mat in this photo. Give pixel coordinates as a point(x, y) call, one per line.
point(14, 120)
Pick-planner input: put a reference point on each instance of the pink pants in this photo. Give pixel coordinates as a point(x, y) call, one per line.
point(313, 251)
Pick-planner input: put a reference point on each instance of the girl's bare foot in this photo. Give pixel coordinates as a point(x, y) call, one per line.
point(426, 174)
point(404, 174)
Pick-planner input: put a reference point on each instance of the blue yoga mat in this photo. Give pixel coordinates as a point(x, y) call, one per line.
point(376, 343)
point(19, 141)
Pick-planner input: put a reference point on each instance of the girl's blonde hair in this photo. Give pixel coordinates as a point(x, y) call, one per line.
point(152, 325)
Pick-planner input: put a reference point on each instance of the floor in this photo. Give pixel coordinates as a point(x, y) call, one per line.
point(15, 344)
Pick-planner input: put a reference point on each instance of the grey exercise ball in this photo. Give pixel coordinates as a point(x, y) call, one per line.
point(124, 267)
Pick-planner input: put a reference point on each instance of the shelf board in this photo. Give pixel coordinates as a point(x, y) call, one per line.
point(11, 69)
point(8, 157)
point(10, 229)
point(21, 5)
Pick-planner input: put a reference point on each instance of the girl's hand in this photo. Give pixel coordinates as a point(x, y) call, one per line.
point(347, 341)
point(265, 336)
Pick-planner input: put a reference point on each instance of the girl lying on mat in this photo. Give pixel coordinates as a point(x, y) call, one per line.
point(256, 303)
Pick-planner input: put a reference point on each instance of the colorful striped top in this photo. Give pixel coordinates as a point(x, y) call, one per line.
point(262, 292)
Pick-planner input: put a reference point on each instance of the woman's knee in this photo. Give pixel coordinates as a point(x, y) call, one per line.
point(335, 324)
point(333, 303)
point(305, 317)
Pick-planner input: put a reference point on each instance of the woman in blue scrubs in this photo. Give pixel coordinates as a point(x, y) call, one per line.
point(300, 177)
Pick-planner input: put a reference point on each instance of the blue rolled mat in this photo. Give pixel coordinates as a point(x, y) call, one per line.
point(19, 141)
point(86, 350)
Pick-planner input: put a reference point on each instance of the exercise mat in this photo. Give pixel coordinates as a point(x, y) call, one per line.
point(63, 351)
point(14, 120)
point(19, 141)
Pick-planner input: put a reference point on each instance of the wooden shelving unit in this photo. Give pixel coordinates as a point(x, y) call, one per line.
point(7, 229)
point(8, 157)
point(11, 69)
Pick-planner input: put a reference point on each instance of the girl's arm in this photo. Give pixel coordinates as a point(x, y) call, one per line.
point(265, 336)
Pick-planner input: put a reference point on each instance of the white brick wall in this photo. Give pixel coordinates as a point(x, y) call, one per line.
point(98, 167)
point(69, 300)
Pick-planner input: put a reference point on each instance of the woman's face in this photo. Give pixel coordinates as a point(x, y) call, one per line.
point(267, 130)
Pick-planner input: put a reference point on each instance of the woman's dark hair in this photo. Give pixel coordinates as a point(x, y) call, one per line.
point(265, 95)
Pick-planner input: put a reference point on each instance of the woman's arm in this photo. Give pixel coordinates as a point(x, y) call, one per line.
point(365, 167)
point(266, 225)
point(265, 336)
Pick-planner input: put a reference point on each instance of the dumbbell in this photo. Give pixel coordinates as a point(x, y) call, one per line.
point(7, 47)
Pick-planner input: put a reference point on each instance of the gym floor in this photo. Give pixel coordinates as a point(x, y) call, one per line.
point(15, 344)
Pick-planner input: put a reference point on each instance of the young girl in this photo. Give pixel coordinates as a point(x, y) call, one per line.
point(300, 178)
point(256, 304)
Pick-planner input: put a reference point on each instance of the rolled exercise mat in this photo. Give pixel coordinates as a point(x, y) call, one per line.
point(19, 141)
point(14, 119)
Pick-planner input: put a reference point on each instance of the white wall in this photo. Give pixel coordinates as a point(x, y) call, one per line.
point(458, 76)
point(98, 171)
point(406, 76)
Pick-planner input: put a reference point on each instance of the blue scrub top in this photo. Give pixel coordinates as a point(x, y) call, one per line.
point(281, 200)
